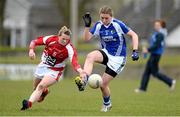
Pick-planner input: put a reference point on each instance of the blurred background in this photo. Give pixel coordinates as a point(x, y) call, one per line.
point(23, 20)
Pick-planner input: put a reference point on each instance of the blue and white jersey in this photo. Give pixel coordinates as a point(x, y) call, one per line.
point(112, 36)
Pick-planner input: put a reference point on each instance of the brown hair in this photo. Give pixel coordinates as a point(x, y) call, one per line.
point(64, 30)
point(162, 22)
point(106, 10)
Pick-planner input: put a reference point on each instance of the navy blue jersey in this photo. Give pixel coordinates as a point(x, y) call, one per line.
point(112, 36)
point(157, 43)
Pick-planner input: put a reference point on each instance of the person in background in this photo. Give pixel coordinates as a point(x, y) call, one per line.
point(156, 49)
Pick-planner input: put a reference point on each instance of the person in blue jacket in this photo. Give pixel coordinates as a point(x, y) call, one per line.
point(156, 49)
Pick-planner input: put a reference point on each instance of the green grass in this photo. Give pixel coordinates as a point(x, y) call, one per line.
point(18, 60)
point(165, 61)
point(65, 99)
point(18, 49)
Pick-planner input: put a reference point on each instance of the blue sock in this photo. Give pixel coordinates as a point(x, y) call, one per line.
point(106, 100)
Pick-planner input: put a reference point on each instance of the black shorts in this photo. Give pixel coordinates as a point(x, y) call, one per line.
point(104, 62)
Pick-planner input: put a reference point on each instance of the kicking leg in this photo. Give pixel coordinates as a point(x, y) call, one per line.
point(92, 57)
point(95, 56)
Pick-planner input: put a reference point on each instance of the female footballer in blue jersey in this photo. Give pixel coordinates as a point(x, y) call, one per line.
point(111, 33)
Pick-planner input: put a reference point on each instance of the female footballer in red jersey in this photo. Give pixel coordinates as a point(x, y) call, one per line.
point(57, 49)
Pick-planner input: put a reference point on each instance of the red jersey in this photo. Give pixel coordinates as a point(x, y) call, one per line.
point(55, 54)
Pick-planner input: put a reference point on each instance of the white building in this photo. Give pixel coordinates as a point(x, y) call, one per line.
point(173, 39)
point(27, 19)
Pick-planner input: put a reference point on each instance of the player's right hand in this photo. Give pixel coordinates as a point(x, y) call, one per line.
point(32, 54)
point(87, 19)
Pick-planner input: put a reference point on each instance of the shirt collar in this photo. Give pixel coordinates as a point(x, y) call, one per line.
point(109, 23)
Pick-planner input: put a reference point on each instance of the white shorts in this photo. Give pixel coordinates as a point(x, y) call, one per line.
point(43, 70)
point(114, 63)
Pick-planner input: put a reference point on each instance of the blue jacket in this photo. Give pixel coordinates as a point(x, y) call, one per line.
point(157, 43)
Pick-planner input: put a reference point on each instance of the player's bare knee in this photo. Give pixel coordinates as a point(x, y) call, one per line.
point(40, 87)
point(104, 87)
point(35, 87)
point(104, 84)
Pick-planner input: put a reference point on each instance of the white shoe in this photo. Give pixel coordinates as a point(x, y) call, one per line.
point(139, 91)
point(106, 108)
point(172, 87)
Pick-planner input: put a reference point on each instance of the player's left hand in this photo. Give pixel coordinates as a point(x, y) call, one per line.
point(135, 55)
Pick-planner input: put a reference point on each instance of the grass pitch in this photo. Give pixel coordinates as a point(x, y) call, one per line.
point(65, 100)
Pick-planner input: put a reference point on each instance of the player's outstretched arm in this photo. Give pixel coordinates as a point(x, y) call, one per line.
point(33, 44)
point(32, 54)
point(135, 40)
